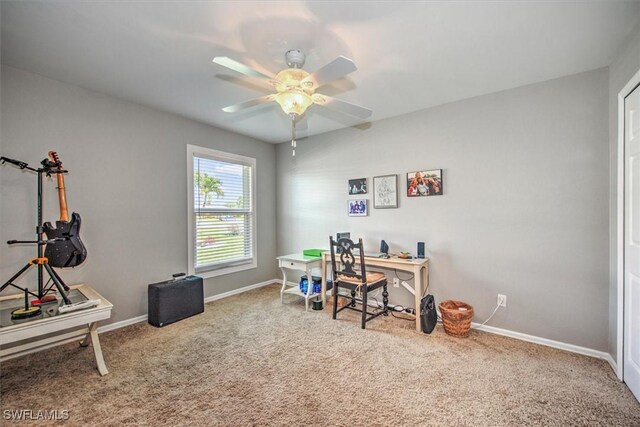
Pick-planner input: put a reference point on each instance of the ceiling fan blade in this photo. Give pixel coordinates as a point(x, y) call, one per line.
point(335, 69)
point(241, 68)
point(248, 104)
point(342, 106)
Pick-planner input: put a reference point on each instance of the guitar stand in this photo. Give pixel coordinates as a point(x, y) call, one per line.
point(41, 261)
point(57, 280)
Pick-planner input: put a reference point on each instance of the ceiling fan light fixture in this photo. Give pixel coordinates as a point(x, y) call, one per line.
point(293, 102)
point(290, 78)
point(296, 88)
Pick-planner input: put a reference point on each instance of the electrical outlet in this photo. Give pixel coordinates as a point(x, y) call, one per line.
point(396, 282)
point(502, 300)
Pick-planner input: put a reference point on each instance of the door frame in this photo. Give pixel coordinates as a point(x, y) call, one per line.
point(628, 88)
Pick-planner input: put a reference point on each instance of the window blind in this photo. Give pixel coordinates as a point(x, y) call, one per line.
point(222, 213)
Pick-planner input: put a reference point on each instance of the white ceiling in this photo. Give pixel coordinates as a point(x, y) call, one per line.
point(410, 55)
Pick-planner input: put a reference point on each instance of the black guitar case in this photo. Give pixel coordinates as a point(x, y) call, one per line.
point(69, 252)
point(428, 314)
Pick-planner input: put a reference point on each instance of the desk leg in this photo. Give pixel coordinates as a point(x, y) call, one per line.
point(97, 350)
point(284, 284)
point(323, 283)
point(418, 296)
point(309, 289)
point(425, 279)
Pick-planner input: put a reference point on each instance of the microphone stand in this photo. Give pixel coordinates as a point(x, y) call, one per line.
point(41, 262)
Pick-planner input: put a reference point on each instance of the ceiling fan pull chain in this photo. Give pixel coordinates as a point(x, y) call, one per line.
point(293, 135)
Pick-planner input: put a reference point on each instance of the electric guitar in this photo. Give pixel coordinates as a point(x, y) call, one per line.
point(69, 251)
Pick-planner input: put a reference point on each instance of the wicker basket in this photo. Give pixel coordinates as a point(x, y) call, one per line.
point(456, 322)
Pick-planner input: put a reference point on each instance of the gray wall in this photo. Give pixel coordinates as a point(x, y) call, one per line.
point(625, 65)
point(525, 209)
point(128, 181)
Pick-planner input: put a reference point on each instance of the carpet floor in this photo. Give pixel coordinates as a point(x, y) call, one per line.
point(248, 360)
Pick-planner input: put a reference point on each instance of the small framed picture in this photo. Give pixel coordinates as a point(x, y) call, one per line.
point(358, 186)
point(385, 192)
point(425, 183)
point(358, 207)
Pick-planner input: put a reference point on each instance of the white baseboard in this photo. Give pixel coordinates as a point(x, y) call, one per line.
point(533, 339)
point(536, 340)
point(613, 364)
point(144, 317)
point(122, 324)
point(544, 341)
point(240, 290)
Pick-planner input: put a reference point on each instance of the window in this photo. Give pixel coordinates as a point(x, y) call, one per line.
point(222, 232)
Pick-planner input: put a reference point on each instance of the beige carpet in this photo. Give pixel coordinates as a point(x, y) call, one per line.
point(248, 360)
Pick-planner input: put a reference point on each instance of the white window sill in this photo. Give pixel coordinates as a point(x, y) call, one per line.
point(226, 270)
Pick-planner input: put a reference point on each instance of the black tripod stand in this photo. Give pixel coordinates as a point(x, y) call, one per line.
point(48, 168)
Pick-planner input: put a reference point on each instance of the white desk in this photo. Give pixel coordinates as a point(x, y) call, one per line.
point(36, 330)
point(419, 268)
point(304, 263)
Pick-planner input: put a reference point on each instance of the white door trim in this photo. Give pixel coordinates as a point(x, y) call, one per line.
point(628, 88)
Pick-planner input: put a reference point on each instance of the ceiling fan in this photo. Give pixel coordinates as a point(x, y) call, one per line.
point(295, 87)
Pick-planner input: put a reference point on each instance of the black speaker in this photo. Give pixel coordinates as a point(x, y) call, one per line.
point(175, 300)
point(420, 250)
point(384, 248)
point(428, 314)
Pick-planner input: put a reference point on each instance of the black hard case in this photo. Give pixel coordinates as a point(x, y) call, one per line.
point(175, 300)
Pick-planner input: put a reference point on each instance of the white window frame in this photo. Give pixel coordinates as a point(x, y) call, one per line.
point(194, 150)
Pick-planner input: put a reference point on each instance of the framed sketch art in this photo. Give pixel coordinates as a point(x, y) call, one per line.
point(358, 186)
point(385, 191)
point(424, 183)
point(358, 207)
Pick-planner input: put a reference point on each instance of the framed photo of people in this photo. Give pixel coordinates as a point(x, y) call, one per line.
point(425, 183)
point(358, 207)
point(358, 186)
point(385, 192)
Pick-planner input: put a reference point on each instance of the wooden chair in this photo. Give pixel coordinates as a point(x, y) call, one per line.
point(350, 278)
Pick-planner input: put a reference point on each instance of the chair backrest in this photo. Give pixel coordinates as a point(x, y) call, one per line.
point(348, 259)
